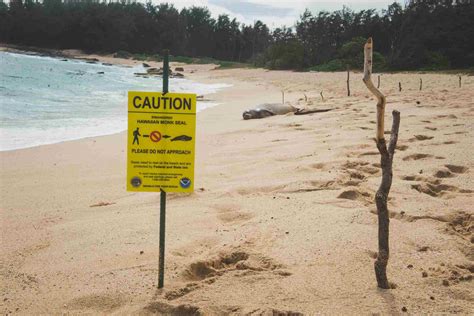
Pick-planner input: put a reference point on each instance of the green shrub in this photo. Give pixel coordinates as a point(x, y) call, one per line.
point(193, 60)
point(145, 57)
point(357, 63)
point(285, 55)
point(122, 54)
point(379, 63)
point(231, 64)
point(333, 65)
point(436, 61)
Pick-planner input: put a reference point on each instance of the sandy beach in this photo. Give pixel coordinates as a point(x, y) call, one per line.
point(282, 220)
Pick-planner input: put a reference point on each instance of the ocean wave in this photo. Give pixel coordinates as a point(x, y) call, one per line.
point(58, 101)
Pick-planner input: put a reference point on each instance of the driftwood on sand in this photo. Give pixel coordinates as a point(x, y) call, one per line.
point(386, 160)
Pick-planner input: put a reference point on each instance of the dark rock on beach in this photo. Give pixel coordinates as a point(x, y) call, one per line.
point(90, 60)
point(154, 71)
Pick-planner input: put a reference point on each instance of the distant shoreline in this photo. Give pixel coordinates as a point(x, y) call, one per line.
point(109, 59)
point(44, 52)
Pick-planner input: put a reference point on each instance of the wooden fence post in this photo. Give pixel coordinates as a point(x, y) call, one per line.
point(348, 87)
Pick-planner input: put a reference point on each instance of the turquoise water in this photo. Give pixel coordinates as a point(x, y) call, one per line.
point(47, 100)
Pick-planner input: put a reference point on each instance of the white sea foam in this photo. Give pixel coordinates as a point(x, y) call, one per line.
point(47, 100)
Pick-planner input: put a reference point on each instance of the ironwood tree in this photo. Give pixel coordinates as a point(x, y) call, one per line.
point(429, 34)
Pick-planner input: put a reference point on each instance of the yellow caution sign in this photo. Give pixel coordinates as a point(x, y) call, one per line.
point(161, 141)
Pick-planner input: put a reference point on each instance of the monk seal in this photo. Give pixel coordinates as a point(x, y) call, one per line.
point(270, 109)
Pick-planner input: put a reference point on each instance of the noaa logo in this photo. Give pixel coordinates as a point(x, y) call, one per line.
point(136, 182)
point(185, 183)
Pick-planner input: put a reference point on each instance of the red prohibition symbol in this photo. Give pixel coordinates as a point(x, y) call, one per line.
point(155, 136)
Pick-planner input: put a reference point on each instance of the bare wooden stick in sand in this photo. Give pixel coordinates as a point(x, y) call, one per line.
point(282, 97)
point(421, 84)
point(459, 81)
point(386, 160)
point(378, 81)
point(322, 97)
point(348, 88)
point(399, 86)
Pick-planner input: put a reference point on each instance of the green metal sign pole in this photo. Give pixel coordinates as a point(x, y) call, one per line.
point(161, 267)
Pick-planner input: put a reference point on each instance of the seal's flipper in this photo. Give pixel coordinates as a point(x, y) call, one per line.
point(308, 111)
point(264, 113)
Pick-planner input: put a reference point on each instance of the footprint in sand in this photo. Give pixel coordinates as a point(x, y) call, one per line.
point(188, 288)
point(421, 178)
point(420, 138)
point(451, 116)
point(273, 312)
point(100, 303)
point(318, 165)
point(416, 157)
point(457, 169)
point(369, 153)
point(259, 190)
point(434, 187)
point(296, 127)
point(161, 308)
point(462, 224)
point(201, 270)
point(314, 166)
point(357, 195)
point(362, 166)
point(450, 171)
point(444, 173)
point(438, 190)
point(455, 133)
point(309, 186)
point(449, 274)
point(232, 214)
point(239, 263)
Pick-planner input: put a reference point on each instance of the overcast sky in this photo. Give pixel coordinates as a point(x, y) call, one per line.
point(275, 13)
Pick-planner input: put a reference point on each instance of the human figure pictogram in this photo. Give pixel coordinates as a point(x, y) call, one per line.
point(136, 133)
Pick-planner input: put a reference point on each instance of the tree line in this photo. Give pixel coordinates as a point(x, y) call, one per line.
point(426, 34)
